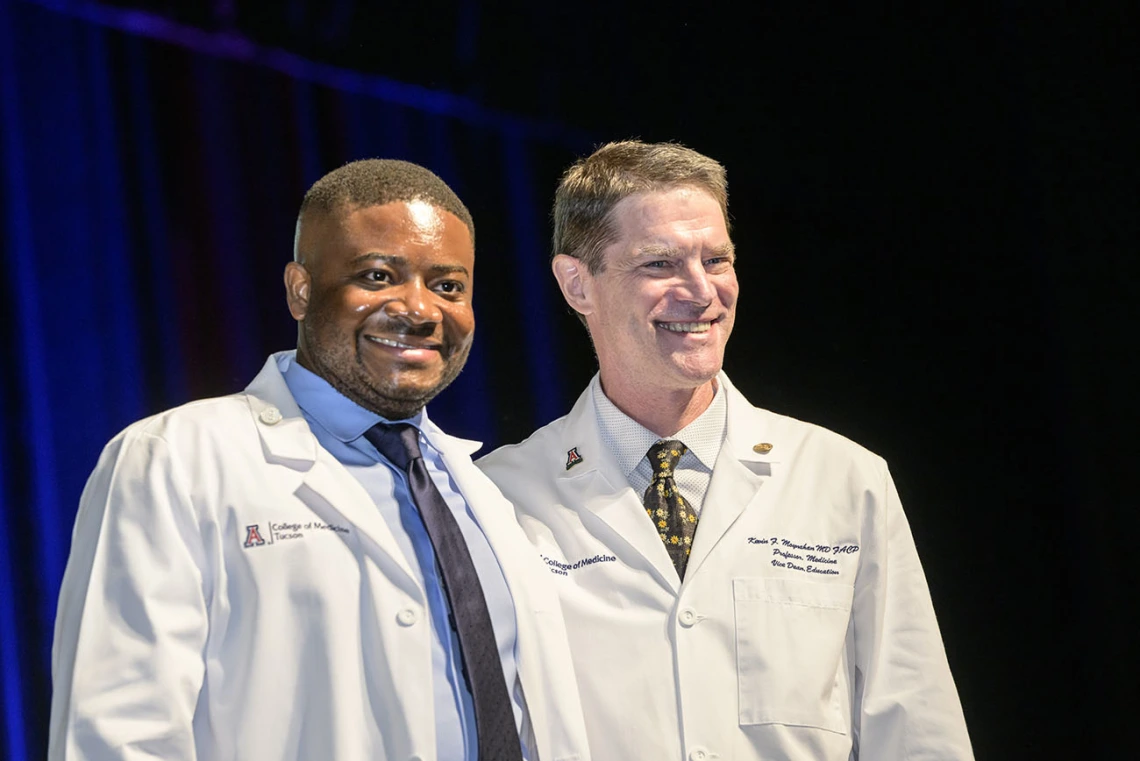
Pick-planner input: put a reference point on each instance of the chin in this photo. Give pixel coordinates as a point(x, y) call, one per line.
point(420, 384)
point(404, 388)
point(395, 375)
point(697, 380)
point(697, 372)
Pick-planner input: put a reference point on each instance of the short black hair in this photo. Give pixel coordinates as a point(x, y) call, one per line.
point(375, 182)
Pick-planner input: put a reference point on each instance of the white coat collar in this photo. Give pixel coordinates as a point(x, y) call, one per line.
point(751, 436)
point(287, 440)
point(278, 419)
point(745, 435)
point(323, 482)
point(582, 449)
point(585, 468)
point(744, 462)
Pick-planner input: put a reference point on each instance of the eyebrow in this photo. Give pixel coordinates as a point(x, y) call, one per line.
point(435, 269)
point(654, 250)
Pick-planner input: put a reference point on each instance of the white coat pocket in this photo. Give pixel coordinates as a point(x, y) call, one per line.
point(789, 641)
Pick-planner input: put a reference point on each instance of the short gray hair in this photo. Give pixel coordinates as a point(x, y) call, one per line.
point(591, 188)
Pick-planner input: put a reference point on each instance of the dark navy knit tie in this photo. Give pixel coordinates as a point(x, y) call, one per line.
point(494, 716)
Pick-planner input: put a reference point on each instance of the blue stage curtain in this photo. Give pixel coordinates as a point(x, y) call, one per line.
point(151, 178)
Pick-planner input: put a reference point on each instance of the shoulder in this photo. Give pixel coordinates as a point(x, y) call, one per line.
point(174, 452)
point(528, 453)
point(788, 435)
point(548, 447)
point(208, 417)
point(266, 402)
point(215, 423)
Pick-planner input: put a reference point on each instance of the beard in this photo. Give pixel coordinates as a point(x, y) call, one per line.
point(338, 360)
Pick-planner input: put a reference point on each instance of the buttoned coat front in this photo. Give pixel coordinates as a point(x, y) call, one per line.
point(233, 593)
point(803, 629)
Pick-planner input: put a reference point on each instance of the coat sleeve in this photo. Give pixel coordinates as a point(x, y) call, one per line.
point(906, 705)
point(127, 659)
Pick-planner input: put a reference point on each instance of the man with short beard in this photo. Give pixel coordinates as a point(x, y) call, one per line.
point(311, 569)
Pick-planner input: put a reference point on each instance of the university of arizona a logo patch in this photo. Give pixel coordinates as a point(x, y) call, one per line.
point(573, 458)
point(253, 536)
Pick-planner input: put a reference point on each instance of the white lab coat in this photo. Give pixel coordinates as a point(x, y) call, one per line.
point(834, 655)
point(175, 640)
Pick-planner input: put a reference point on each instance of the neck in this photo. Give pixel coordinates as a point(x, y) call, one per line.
point(371, 399)
point(665, 412)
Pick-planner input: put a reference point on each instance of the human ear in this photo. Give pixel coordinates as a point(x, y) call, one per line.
point(574, 281)
point(297, 285)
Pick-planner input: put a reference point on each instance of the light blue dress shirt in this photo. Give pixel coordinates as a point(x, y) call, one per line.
point(339, 425)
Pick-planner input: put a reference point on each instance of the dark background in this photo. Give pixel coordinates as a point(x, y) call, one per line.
point(934, 204)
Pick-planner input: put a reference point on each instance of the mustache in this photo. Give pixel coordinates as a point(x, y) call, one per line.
point(403, 327)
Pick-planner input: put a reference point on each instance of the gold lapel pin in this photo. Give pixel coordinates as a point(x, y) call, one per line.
point(764, 448)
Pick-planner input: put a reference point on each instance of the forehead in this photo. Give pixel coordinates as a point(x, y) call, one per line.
point(417, 220)
point(681, 210)
point(676, 220)
point(397, 228)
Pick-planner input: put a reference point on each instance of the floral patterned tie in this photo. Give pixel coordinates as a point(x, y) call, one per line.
point(674, 518)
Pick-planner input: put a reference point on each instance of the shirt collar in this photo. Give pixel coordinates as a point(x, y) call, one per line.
point(629, 440)
point(341, 417)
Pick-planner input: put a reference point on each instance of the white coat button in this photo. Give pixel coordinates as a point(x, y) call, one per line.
point(270, 416)
point(698, 754)
point(406, 617)
point(687, 618)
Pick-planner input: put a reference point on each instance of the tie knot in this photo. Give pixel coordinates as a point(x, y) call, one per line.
point(664, 456)
point(399, 443)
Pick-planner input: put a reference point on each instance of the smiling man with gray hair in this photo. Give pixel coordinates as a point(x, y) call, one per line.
point(736, 584)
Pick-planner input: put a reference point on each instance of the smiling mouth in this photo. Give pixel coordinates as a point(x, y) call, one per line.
point(687, 327)
point(401, 345)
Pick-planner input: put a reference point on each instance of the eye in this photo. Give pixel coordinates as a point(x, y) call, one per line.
point(375, 277)
point(450, 287)
point(658, 264)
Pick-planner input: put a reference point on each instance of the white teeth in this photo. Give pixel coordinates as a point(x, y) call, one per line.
point(395, 344)
point(686, 327)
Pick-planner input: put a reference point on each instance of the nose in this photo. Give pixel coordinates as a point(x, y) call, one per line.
point(414, 302)
point(696, 286)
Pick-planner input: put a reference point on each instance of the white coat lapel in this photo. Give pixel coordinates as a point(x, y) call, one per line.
point(597, 486)
point(738, 478)
point(328, 489)
point(323, 484)
point(517, 559)
point(494, 514)
point(496, 518)
point(542, 653)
